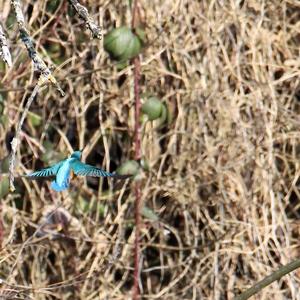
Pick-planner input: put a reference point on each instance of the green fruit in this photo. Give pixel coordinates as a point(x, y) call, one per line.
point(152, 108)
point(82, 205)
point(130, 167)
point(52, 5)
point(122, 44)
point(149, 213)
point(4, 120)
point(4, 164)
point(34, 119)
point(116, 41)
point(145, 164)
point(141, 34)
point(121, 65)
point(164, 115)
point(4, 186)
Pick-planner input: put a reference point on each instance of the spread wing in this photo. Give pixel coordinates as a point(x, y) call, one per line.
point(48, 172)
point(82, 169)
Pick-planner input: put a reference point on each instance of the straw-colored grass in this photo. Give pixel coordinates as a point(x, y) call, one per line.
point(223, 176)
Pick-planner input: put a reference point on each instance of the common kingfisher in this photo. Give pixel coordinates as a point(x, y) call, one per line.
point(62, 171)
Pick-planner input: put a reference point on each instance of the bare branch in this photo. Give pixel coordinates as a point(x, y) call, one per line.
point(16, 140)
point(4, 50)
point(38, 62)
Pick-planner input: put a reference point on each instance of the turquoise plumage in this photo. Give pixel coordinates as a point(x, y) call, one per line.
point(62, 170)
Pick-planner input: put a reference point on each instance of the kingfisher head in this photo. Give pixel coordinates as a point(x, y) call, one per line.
point(76, 154)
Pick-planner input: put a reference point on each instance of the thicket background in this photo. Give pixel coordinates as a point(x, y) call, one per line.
point(223, 178)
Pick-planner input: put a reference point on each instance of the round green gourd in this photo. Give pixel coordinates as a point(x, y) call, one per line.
point(122, 44)
point(152, 108)
point(130, 167)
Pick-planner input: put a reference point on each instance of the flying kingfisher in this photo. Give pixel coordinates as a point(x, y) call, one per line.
point(62, 170)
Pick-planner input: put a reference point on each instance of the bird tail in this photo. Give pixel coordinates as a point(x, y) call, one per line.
point(58, 188)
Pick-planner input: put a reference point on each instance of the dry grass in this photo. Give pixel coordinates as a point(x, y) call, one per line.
point(223, 177)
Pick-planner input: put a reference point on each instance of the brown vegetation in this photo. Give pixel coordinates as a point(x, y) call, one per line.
point(223, 173)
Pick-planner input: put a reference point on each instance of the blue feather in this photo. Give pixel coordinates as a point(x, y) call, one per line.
point(62, 177)
point(82, 169)
point(51, 171)
point(59, 188)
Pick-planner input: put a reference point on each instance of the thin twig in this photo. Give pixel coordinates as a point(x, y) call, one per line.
point(269, 279)
point(16, 139)
point(4, 50)
point(137, 137)
point(89, 22)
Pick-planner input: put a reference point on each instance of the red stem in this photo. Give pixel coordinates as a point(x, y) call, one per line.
point(137, 100)
point(137, 187)
point(134, 14)
point(137, 156)
point(1, 228)
point(136, 290)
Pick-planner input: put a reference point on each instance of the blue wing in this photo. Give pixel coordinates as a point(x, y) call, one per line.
point(82, 169)
point(51, 171)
